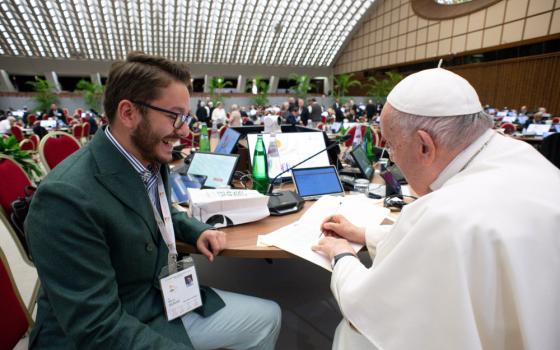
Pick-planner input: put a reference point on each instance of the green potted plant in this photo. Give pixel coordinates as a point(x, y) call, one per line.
point(92, 93)
point(343, 83)
point(45, 95)
point(380, 88)
point(261, 97)
point(217, 83)
point(10, 147)
point(303, 85)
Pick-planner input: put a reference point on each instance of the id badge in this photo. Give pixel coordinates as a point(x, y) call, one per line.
point(180, 290)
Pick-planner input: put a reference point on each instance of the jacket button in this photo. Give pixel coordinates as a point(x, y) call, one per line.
point(149, 247)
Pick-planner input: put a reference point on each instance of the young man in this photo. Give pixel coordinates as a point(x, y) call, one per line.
point(461, 268)
point(100, 263)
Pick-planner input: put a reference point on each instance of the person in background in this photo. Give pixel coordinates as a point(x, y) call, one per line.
point(315, 111)
point(303, 111)
point(6, 125)
point(57, 113)
point(370, 110)
point(235, 116)
point(203, 113)
point(219, 115)
point(457, 270)
point(102, 262)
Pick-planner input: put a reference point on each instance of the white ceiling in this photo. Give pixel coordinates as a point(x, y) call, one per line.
point(264, 32)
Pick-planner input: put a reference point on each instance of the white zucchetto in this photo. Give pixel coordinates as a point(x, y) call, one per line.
point(434, 92)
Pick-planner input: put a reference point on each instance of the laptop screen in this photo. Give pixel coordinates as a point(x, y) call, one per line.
point(49, 124)
point(293, 147)
point(227, 141)
point(218, 168)
point(361, 159)
point(315, 182)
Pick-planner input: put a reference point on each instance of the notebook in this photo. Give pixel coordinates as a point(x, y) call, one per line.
point(218, 168)
point(312, 183)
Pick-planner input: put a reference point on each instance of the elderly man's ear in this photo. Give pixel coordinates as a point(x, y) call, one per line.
point(427, 147)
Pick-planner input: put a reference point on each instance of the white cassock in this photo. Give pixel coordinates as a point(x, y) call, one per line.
point(475, 264)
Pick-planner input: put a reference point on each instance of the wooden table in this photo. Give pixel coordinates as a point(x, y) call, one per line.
point(242, 239)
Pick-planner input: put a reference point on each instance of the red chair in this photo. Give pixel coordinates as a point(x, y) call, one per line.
point(190, 140)
point(16, 180)
point(55, 147)
point(27, 145)
point(16, 320)
point(556, 120)
point(36, 140)
point(31, 119)
point(85, 131)
point(45, 117)
point(223, 130)
point(77, 131)
point(509, 128)
point(17, 131)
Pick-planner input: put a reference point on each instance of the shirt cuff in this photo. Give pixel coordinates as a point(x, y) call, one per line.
point(374, 235)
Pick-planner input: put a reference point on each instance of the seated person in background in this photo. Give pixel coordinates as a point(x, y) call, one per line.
point(6, 125)
point(219, 115)
point(39, 130)
point(100, 262)
point(235, 116)
point(536, 118)
point(457, 270)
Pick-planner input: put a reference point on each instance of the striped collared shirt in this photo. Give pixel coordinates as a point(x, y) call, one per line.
point(149, 175)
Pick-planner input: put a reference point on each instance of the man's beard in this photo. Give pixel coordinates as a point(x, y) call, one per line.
point(147, 142)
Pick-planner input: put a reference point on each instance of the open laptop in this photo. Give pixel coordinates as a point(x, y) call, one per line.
point(537, 129)
point(312, 183)
point(218, 168)
point(361, 160)
point(228, 141)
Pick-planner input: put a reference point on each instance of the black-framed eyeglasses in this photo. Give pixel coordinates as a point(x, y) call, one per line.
point(179, 118)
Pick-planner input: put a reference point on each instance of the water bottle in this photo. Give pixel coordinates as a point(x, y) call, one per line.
point(260, 167)
point(204, 143)
point(369, 144)
point(273, 157)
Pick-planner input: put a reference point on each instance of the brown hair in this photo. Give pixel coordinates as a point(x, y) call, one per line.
point(141, 78)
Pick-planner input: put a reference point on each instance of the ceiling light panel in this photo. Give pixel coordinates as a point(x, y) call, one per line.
point(268, 32)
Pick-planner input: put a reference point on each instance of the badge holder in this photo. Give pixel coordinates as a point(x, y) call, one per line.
point(180, 289)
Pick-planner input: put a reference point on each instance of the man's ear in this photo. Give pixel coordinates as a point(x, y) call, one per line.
point(127, 114)
point(427, 146)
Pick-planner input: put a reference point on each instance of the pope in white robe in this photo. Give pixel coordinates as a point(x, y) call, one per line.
point(474, 263)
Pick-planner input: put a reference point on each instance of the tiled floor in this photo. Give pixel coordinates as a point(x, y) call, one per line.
point(309, 312)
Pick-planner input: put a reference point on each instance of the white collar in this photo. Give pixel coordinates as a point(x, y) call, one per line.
point(462, 159)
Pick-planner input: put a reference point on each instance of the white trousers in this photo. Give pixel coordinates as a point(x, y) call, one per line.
point(245, 322)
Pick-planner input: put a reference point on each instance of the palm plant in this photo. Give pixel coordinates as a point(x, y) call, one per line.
point(261, 97)
point(45, 93)
point(379, 89)
point(10, 147)
point(303, 85)
point(217, 83)
point(343, 83)
point(92, 93)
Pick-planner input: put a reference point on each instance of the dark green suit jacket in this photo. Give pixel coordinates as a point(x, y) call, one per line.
point(98, 251)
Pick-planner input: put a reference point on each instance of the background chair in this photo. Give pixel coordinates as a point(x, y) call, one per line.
point(55, 147)
point(15, 320)
point(77, 131)
point(27, 145)
point(509, 128)
point(31, 119)
point(16, 181)
point(85, 132)
point(17, 131)
point(36, 140)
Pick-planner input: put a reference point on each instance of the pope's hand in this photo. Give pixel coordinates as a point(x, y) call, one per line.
point(338, 225)
point(210, 243)
point(331, 246)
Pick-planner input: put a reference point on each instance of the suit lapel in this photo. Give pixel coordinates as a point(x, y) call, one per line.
point(118, 176)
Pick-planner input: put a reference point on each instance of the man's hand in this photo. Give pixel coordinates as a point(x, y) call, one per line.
point(210, 243)
point(331, 246)
point(338, 225)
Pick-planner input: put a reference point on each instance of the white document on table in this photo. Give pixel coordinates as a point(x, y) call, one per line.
point(298, 237)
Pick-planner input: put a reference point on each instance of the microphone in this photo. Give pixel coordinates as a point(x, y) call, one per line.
point(332, 145)
point(288, 202)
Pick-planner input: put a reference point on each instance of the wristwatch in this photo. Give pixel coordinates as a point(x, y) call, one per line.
point(340, 256)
